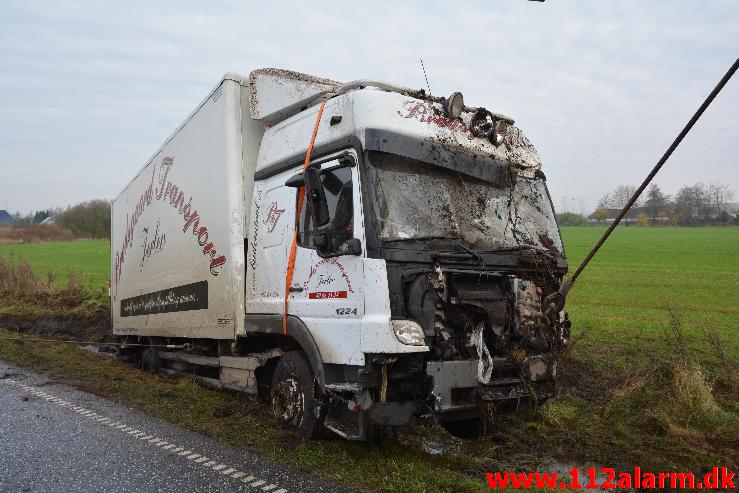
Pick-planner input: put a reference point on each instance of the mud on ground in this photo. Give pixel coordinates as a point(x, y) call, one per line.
point(95, 326)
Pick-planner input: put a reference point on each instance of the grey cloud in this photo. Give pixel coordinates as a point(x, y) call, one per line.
point(89, 90)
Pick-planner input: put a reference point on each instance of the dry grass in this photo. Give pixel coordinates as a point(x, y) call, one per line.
point(36, 233)
point(19, 283)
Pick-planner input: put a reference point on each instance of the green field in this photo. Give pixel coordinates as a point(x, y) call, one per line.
point(91, 258)
point(638, 280)
point(629, 286)
point(643, 277)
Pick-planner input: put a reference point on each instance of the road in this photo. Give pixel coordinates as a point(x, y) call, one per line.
point(56, 438)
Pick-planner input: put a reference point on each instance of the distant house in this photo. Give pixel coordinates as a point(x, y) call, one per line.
point(49, 220)
point(6, 219)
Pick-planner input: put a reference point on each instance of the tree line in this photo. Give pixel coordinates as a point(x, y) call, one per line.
point(692, 205)
point(89, 219)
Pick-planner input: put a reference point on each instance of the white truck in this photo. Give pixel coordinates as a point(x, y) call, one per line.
point(362, 255)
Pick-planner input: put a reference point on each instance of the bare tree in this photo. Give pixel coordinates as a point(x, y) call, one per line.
point(718, 197)
point(604, 201)
point(690, 204)
point(89, 219)
point(22, 220)
point(618, 198)
point(656, 201)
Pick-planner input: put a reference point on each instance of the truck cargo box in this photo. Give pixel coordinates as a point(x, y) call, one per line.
point(178, 227)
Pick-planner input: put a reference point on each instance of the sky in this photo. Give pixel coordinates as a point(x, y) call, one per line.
point(90, 89)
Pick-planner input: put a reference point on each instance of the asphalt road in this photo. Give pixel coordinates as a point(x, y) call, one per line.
point(56, 438)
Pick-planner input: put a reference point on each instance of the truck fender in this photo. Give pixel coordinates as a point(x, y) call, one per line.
point(296, 330)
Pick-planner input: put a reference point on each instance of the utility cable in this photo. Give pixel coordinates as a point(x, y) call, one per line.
point(556, 301)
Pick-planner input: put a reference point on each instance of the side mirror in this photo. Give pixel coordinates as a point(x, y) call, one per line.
point(295, 181)
point(351, 247)
point(315, 195)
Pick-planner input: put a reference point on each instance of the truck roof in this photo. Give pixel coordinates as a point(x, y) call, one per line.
point(276, 96)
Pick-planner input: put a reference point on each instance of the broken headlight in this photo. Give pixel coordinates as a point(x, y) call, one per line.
point(408, 332)
point(482, 123)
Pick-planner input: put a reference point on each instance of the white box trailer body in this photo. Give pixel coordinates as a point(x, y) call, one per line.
point(203, 236)
point(177, 229)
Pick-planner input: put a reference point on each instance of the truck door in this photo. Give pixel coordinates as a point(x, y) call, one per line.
point(327, 293)
point(271, 231)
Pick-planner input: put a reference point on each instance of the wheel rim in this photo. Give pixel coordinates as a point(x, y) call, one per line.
point(288, 402)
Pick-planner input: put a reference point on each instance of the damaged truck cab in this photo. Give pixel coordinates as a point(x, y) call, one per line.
point(400, 272)
point(423, 291)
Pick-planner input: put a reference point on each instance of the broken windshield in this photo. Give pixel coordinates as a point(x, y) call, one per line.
point(416, 200)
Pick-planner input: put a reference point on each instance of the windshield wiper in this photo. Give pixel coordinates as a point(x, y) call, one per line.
point(454, 240)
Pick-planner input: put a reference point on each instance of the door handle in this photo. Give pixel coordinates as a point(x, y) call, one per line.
point(296, 289)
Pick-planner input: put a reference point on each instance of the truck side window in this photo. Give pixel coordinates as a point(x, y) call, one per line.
point(337, 184)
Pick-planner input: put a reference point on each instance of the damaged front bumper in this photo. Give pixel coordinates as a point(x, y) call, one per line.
point(456, 388)
point(451, 391)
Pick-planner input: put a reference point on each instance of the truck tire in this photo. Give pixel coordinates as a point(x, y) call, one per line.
point(293, 395)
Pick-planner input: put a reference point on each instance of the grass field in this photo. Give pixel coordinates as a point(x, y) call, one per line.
point(639, 279)
point(645, 276)
point(649, 378)
point(91, 258)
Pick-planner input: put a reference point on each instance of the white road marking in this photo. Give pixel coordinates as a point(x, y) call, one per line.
point(156, 441)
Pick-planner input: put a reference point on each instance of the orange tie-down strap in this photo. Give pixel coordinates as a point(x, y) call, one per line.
point(299, 208)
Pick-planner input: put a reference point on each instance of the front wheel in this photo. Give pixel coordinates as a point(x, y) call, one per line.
point(294, 396)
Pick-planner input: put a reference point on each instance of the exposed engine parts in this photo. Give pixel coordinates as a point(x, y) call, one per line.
point(472, 316)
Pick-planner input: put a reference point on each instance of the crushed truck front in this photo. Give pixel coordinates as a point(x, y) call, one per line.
point(472, 250)
point(463, 234)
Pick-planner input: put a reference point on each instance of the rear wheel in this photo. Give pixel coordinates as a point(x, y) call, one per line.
point(295, 400)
